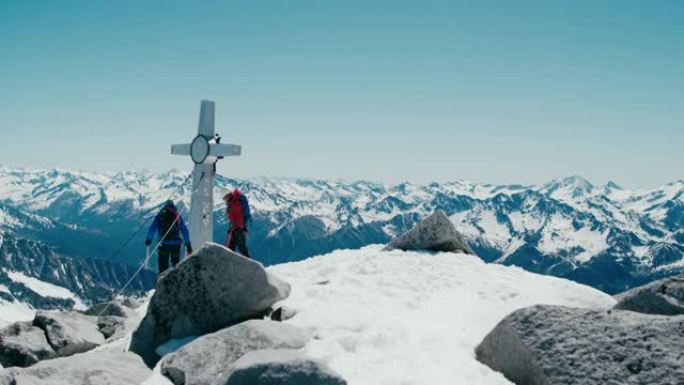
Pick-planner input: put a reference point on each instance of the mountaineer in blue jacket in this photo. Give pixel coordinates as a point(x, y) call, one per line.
point(169, 226)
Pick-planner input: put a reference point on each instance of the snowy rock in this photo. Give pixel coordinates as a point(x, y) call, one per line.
point(434, 233)
point(130, 303)
point(69, 332)
point(283, 313)
point(665, 296)
point(112, 308)
point(102, 367)
point(112, 326)
point(213, 289)
point(203, 360)
point(279, 367)
point(114, 318)
point(544, 345)
point(22, 344)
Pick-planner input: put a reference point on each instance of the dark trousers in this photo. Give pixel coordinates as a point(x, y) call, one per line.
point(168, 251)
point(237, 239)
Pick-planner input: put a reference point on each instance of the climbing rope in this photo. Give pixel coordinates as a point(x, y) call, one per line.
point(161, 239)
point(142, 225)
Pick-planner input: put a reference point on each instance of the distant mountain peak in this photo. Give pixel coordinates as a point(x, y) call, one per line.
point(573, 186)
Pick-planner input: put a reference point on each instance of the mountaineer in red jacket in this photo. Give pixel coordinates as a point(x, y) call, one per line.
point(237, 209)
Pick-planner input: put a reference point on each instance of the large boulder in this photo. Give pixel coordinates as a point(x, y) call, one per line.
point(102, 367)
point(213, 289)
point(69, 332)
point(434, 233)
point(279, 367)
point(203, 360)
point(665, 296)
point(544, 345)
point(22, 344)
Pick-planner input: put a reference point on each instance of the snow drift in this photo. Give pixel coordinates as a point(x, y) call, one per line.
point(413, 318)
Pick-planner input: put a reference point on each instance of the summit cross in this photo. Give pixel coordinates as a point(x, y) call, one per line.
point(204, 155)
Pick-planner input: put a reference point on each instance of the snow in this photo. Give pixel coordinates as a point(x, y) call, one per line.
point(387, 318)
point(496, 233)
point(46, 289)
point(560, 235)
point(522, 222)
point(157, 378)
point(14, 311)
point(412, 318)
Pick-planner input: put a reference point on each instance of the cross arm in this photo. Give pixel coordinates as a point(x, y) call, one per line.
point(180, 149)
point(225, 149)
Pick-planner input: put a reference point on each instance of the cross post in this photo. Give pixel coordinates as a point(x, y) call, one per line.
point(204, 155)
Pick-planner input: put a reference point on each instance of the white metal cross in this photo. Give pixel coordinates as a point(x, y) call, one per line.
point(204, 155)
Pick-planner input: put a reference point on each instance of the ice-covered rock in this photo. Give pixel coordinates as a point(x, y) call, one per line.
point(434, 233)
point(101, 367)
point(22, 344)
point(213, 289)
point(544, 345)
point(203, 360)
point(665, 296)
point(279, 367)
point(69, 332)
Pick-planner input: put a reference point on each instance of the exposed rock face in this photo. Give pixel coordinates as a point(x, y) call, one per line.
point(665, 296)
point(69, 332)
point(22, 344)
point(106, 367)
point(544, 345)
point(211, 290)
point(434, 233)
point(203, 360)
point(279, 367)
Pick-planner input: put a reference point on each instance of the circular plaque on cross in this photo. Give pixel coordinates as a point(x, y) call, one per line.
point(199, 149)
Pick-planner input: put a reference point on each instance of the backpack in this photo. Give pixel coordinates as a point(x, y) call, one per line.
point(245, 209)
point(167, 220)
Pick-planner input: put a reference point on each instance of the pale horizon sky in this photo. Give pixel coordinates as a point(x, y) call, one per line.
point(493, 91)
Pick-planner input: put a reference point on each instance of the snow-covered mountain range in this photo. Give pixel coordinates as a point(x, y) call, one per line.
point(605, 236)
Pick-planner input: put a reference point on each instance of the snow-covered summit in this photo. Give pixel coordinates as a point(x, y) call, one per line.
point(413, 318)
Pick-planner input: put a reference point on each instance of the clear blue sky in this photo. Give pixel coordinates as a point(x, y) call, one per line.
point(492, 91)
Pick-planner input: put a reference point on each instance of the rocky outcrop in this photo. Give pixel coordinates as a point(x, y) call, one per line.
point(213, 289)
point(69, 332)
point(279, 367)
point(104, 367)
point(665, 296)
point(51, 334)
point(116, 318)
point(544, 345)
point(22, 344)
point(434, 233)
point(203, 360)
